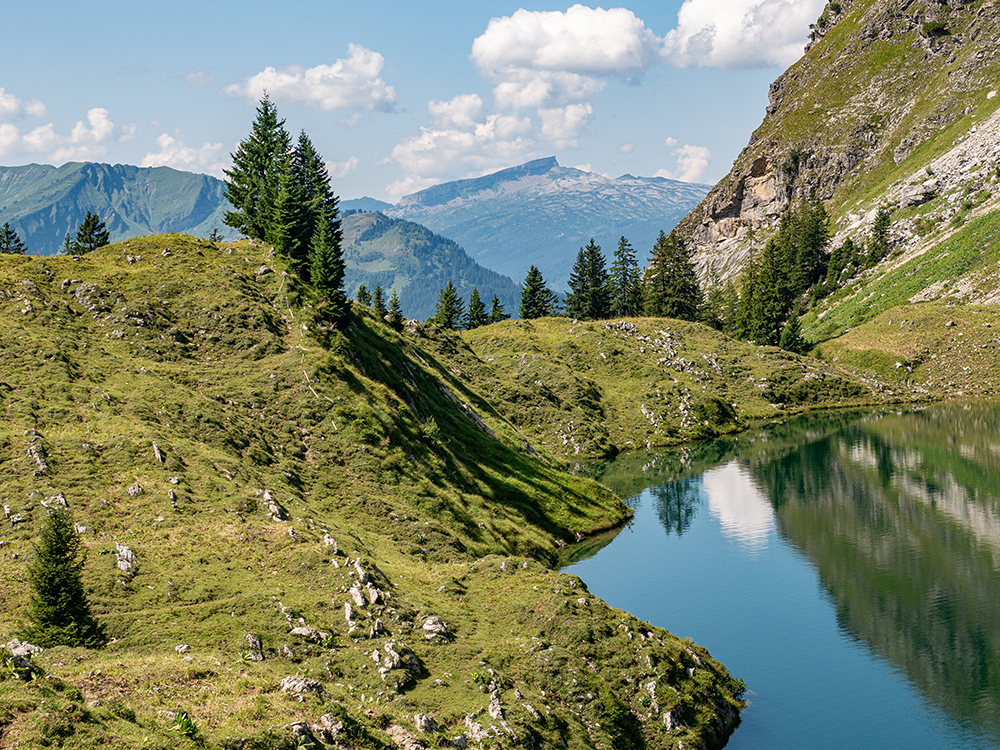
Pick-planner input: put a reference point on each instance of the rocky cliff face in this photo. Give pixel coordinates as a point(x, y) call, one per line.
point(884, 88)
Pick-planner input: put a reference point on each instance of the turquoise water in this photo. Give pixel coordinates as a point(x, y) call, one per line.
point(845, 566)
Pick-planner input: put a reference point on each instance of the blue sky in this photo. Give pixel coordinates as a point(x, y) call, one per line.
point(397, 96)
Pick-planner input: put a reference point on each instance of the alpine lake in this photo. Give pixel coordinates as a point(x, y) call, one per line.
point(845, 565)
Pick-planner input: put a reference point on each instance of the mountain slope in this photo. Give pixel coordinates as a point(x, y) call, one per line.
point(327, 532)
point(540, 213)
point(416, 263)
point(44, 202)
point(886, 88)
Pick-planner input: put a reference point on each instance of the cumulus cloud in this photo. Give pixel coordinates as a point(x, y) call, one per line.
point(732, 34)
point(692, 163)
point(352, 83)
point(626, 148)
point(13, 109)
point(86, 141)
point(562, 126)
point(174, 153)
point(338, 169)
point(198, 79)
point(462, 141)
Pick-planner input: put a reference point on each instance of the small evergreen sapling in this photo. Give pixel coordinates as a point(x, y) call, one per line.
point(450, 307)
point(497, 313)
point(91, 235)
point(58, 604)
point(10, 241)
point(395, 312)
point(476, 315)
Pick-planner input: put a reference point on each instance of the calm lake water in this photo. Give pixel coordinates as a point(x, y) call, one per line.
point(846, 566)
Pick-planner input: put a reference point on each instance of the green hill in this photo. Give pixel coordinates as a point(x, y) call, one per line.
point(416, 263)
point(265, 503)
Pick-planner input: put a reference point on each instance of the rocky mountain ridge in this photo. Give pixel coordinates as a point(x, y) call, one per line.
point(884, 89)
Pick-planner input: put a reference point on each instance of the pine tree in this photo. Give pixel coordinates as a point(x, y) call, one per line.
point(772, 297)
point(476, 314)
point(537, 300)
point(810, 235)
point(326, 274)
point(378, 302)
point(588, 283)
point(672, 289)
point(497, 313)
point(253, 183)
point(363, 296)
point(625, 282)
point(10, 241)
point(91, 235)
point(395, 312)
point(310, 173)
point(450, 307)
point(58, 605)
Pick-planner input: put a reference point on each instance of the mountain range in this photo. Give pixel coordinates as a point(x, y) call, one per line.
point(541, 214)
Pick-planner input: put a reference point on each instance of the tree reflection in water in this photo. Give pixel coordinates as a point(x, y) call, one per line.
point(677, 504)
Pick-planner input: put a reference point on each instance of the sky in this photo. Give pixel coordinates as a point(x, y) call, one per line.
point(397, 96)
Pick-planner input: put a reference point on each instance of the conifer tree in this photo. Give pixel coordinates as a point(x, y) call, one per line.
point(588, 283)
point(791, 334)
point(625, 282)
point(363, 296)
point(288, 229)
point(326, 274)
point(770, 299)
point(395, 312)
point(57, 605)
point(878, 240)
point(476, 314)
point(450, 308)
point(321, 205)
point(672, 289)
point(10, 241)
point(378, 302)
point(91, 235)
point(537, 300)
point(254, 182)
point(497, 313)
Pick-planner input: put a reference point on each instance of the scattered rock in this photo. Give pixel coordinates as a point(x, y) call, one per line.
point(424, 723)
point(434, 627)
point(358, 596)
point(182, 649)
point(127, 561)
point(301, 685)
point(330, 542)
point(404, 739)
point(475, 730)
point(256, 650)
point(135, 490)
point(310, 634)
point(327, 729)
point(157, 452)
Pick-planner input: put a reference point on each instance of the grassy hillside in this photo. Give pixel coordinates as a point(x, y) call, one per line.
point(592, 389)
point(178, 398)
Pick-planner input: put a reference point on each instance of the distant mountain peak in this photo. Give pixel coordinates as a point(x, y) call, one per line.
point(440, 195)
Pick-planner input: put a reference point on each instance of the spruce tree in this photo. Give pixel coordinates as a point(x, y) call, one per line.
point(363, 296)
point(625, 282)
point(497, 313)
point(10, 241)
point(378, 302)
point(476, 314)
point(537, 300)
point(254, 182)
point(672, 289)
point(588, 283)
point(289, 229)
point(878, 240)
point(326, 274)
point(395, 312)
point(450, 307)
point(791, 334)
point(91, 235)
point(310, 173)
point(57, 605)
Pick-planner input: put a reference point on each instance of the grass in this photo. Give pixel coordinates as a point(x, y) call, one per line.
point(373, 438)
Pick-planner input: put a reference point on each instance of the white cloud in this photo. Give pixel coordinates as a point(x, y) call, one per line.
point(12, 108)
point(732, 34)
point(352, 83)
point(173, 153)
point(670, 142)
point(562, 126)
point(692, 163)
point(126, 133)
point(552, 59)
point(626, 148)
point(462, 142)
point(353, 120)
point(198, 79)
point(339, 169)
point(84, 143)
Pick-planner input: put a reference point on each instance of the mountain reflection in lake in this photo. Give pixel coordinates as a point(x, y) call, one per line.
point(846, 568)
